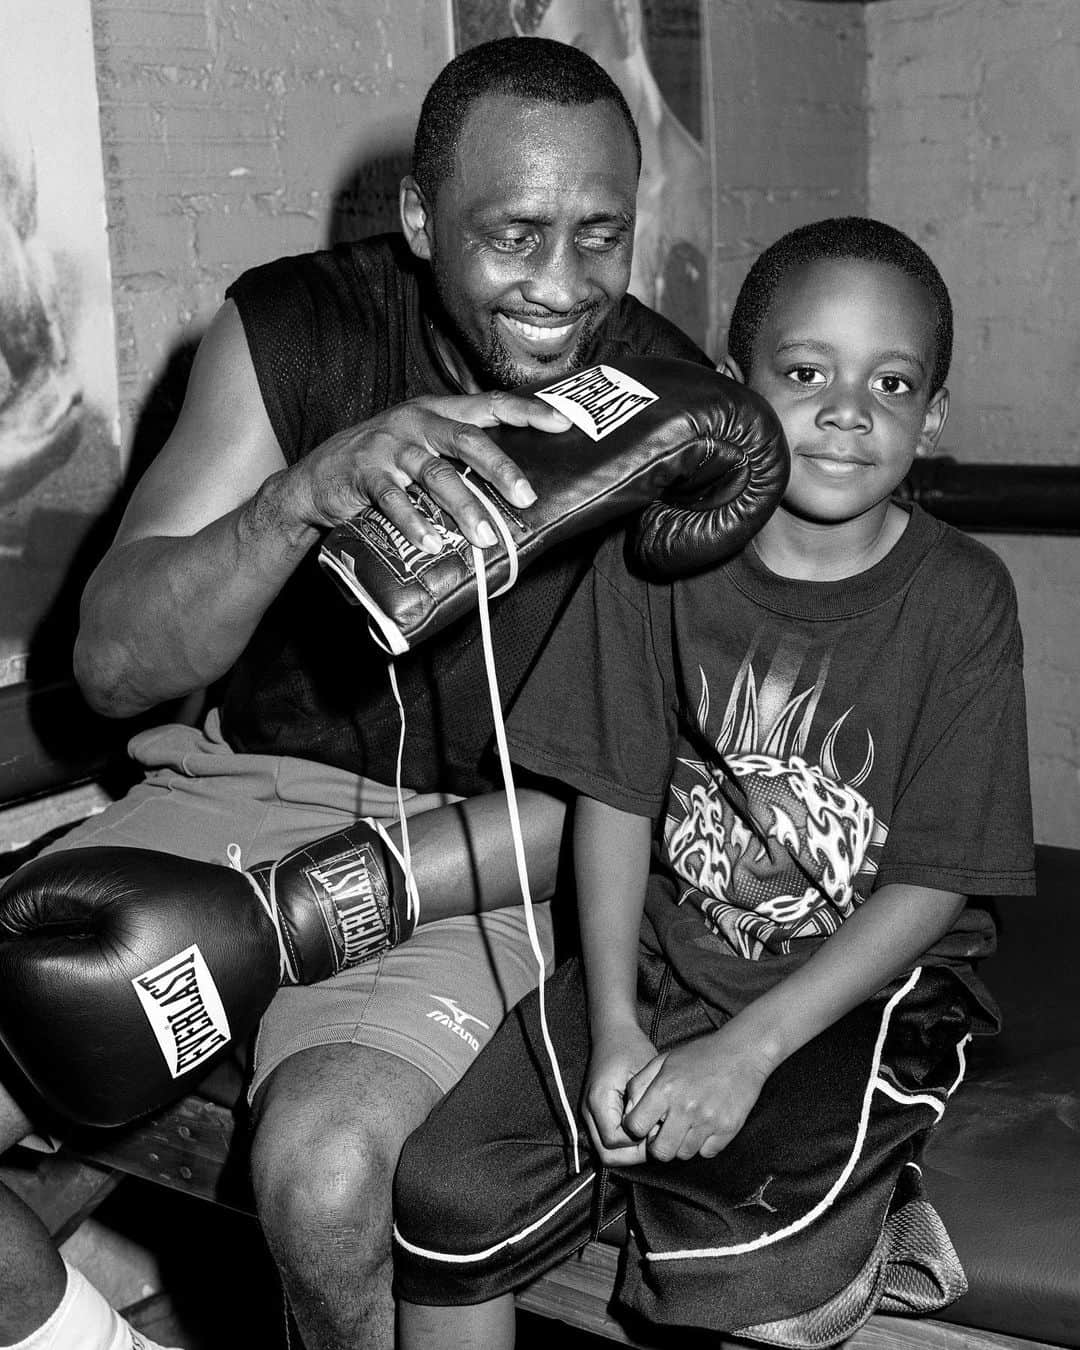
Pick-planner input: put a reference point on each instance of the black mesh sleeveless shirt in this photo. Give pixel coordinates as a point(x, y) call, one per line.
point(336, 337)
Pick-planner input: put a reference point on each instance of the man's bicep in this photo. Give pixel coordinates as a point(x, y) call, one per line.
point(221, 449)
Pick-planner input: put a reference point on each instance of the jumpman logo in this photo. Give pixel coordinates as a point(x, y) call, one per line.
point(757, 1200)
point(459, 1015)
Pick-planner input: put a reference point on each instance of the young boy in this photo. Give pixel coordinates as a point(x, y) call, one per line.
point(794, 770)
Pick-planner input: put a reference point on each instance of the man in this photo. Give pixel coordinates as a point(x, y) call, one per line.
point(323, 384)
point(672, 240)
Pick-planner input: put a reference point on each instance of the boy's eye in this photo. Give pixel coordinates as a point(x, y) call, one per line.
point(891, 384)
point(808, 376)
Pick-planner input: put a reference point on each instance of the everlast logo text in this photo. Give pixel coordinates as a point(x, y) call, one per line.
point(184, 1009)
point(359, 917)
point(598, 400)
point(388, 545)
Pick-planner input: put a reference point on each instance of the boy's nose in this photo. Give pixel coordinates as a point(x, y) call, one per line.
point(846, 407)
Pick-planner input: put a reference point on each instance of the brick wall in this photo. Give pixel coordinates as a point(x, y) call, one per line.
point(974, 143)
point(236, 132)
point(788, 125)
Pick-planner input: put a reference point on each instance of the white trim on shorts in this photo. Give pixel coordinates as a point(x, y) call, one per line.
point(465, 1258)
point(875, 1083)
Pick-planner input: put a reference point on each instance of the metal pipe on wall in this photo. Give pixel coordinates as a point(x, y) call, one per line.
point(997, 498)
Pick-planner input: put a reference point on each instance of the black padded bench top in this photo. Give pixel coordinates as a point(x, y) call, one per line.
point(1003, 1168)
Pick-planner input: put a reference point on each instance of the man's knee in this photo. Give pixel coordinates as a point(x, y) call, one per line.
point(329, 1127)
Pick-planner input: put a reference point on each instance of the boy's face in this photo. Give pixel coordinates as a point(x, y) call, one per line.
point(844, 356)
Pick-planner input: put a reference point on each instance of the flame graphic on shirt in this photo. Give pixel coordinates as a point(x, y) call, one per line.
point(769, 844)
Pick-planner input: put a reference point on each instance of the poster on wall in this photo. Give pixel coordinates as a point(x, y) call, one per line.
point(59, 418)
point(653, 49)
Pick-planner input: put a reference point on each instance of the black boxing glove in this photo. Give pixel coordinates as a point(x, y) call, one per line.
point(704, 455)
point(127, 974)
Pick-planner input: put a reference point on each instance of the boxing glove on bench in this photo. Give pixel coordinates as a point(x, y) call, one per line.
point(704, 455)
point(126, 974)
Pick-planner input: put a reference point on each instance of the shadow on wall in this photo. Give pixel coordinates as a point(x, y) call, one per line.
point(366, 199)
point(63, 739)
point(56, 631)
point(50, 736)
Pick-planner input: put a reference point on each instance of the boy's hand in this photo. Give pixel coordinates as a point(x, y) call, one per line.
point(694, 1098)
point(617, 1054)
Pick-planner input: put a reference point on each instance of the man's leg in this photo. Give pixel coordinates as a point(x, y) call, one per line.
point(32, 1275)
point(44, 1303)
point(344, 1071)
point(330, 1124)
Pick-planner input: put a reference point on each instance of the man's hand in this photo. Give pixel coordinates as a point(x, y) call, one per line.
point(616, 1056)
point(374, 463)
point(694, 1098)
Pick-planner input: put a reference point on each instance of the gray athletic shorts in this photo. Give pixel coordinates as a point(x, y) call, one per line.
point(433, 1002)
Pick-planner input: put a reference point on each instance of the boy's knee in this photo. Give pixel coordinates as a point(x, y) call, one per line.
point(440, 1202)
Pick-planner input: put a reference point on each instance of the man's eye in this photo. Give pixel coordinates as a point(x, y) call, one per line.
point(806, 375)
point(892, 384)
point(600, 241)
point(510, 243)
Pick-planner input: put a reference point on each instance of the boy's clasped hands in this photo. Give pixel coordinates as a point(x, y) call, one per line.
point(641, 1105)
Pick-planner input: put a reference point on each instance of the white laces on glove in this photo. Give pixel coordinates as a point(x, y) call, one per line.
point(405, 858)
point(286, 970)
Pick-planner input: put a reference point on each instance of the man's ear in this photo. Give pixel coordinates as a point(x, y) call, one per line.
point(937, 411)
point(731, 368)
point(416, 220)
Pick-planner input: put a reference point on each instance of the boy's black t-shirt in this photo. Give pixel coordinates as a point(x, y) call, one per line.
point(336, 337)
point(872, 730)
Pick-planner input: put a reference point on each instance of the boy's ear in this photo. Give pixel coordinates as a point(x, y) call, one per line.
point(937, 411)
point(416, 221)
point(731, 368)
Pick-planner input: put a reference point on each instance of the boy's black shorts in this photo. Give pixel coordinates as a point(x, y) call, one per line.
point(811, 1219)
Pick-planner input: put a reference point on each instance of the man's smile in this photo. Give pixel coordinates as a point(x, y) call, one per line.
point(542, 335)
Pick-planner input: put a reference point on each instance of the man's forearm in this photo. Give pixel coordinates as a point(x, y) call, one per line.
point(464, 858)
point(165, 615)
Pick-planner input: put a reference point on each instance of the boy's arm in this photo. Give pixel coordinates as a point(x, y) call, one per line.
point(611, 867)
point(702, 1091)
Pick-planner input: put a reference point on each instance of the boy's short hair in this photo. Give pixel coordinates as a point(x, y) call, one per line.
point(839, 237)
point(516, 67)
